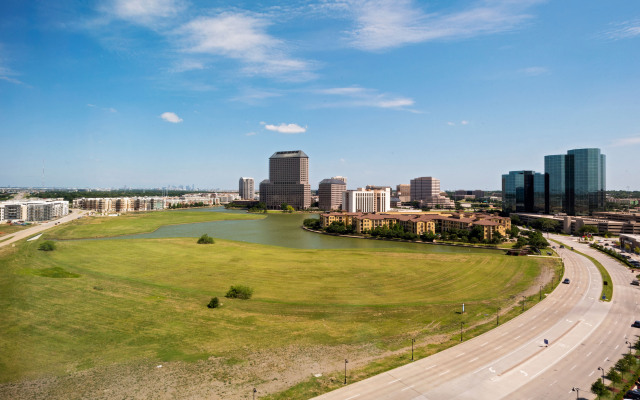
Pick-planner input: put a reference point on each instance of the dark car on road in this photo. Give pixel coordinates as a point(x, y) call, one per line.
point(632, 394)
point(566, 280)
point(635, 282)
point(636, 324)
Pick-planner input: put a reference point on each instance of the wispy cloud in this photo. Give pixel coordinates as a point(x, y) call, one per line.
point(624, 30)
point(144, 12)
point(534, 71)
point(288, 129)
point(254, 96)
point(363, 97)
point(243, 37)
point(250, 134)
point(630, 141)
point(171, 117)
point(109, 109)
point(382, 24)
point(463, 122)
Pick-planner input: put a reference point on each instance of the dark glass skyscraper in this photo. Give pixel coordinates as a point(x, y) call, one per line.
point(524, 191)
point(577, 181)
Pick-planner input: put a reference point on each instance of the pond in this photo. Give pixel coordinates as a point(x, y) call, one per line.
point(284, 230)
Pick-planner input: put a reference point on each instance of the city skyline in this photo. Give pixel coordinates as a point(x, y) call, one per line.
point(157, 93)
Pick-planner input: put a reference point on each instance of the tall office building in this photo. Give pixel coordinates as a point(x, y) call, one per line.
point(524, 191)
point(288, 181)
point(577, 181)
point(330, 193)
point(246, 189)
point(426, 190)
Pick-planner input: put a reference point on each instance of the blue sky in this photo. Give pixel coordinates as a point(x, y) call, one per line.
point(150, 93)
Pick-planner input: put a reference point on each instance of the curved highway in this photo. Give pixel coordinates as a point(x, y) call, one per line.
point(512, 361)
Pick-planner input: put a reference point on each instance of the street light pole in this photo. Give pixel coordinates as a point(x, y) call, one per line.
point(540, 292)
point(254, 393)
point(412, 342)
point(345, 370)
point(577, 390)
point(602, 369)
point(523, 300)
point(628, 345)
point(461, 323)
point(498, 316)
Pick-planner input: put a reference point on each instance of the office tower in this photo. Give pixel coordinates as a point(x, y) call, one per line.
point(403, 192)
point(288, 181)
point(577, 181)
point(340, 178)
point(524, 191)
point(246, 189)
point(426, 190)
point(330, 193)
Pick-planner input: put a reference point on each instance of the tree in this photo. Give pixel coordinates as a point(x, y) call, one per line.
point(205, 239)
point(214, 303)
point(47, 245)
point(312, 223)
point(587, 229)
point(514, 232)
point(428, 236)
point(239, 292)
point(290, 209)
point(515, 220)
point(613, 375)
point(598, 388)
point(522, 241)
point(546, 224)
point(636, 250)
point(627, 247)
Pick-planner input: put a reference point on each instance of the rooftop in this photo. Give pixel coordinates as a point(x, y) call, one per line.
point(289, 154)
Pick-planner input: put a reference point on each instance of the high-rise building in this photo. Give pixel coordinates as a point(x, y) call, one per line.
point(577, 181)
point(524, 191)
point(288, 181)
point(341, 178)
point(246, 189)
point(426, 190)
point(330, 193)
point(403, 192)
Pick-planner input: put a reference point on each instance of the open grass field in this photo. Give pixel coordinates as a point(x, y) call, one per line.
point(97, 305)
point(6, 229)
point(133, 223)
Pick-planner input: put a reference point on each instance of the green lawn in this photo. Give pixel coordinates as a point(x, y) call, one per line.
point(97, 303)
point(133, 223)
point(6, 229)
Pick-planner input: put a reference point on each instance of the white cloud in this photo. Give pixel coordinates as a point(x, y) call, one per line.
point(630, 141)
point(451, 123)
point(534, 71)
point(286, 128)
point(171, 117)
point(463, 122)
point(242, 37)
point(363, 97)
point(12, 80)
point(624, 30)
point(250, 134)
point(145, 11)
point(110, 109)
point(382, 24)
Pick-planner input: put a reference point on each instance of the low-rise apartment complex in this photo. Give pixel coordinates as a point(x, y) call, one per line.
point(422, 223)
point(33, 210)
point(127, 204)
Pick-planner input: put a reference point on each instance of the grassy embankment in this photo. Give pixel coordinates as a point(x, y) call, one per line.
point(133, 223)
point(6, 229)
point(127, 300)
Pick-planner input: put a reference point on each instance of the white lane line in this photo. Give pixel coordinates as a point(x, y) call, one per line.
point(352, 397)
point(473, 360)
point(407, 388)
point(430, 367)
point(496, 348)
point(572, 368)
point(545, 319)
point(460, 355)
point(506, 333)
point(617, 347)
point(589, 353)
point(517, 337)
point(520, 325)
point(553, 383)
point(591, 373)
point(443, 373)
point(389, 383)
point(484, 344)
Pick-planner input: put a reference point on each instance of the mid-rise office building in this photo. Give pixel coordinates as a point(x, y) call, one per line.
point(246, 189)
point(372, 199)
point(288, 181)
point(524, 191)
point(426, 190)
point(330, 194)
point(340, 178)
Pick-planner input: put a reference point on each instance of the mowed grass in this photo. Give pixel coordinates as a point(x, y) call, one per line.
point(94, 303)
point(133, 223)
point(6, 229)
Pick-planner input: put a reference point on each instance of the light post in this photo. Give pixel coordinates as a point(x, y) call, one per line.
point(628, 345)
point(523, 300)
point(577, 390)
point(345, 370)
point(461, 323)
point(602, 369)
point(540, 292)
point(498, 316)
point(412, 342)
point(254, 393)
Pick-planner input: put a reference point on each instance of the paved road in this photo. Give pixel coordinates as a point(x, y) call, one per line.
point(42, 227)
point(511, 361)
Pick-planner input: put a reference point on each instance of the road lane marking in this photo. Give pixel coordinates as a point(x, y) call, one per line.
point(496, 348)
point(430, 367)
point(591, 373)
point(574, 367)
point(617, 347)
point(524, 373)
point(352, 397)
point(484, 344)
point(389, 383)
point(517, 337)
point(492, 370)
point(460, 355)
point(407, 388)
point(442, 373)
point(473, 360)
point(589, 353)
point(553, 383)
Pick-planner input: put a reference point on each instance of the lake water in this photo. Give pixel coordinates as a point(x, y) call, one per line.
point(283, 230)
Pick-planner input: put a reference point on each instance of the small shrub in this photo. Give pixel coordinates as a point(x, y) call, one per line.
point(214, 303)
point(47, 245)
point(239, 292)
point(205, 239)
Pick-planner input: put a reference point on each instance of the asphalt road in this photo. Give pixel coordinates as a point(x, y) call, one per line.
point(42, 227)
point(511, 361)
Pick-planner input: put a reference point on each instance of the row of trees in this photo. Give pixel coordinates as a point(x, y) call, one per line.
point(188, 205)
point(615, 254)
point(533, 239)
